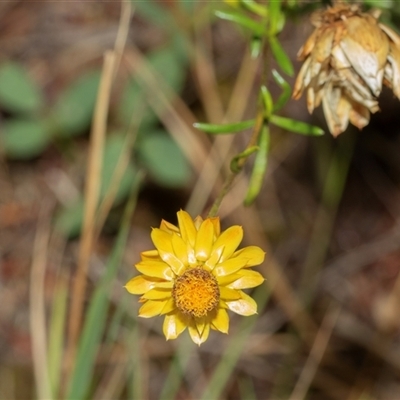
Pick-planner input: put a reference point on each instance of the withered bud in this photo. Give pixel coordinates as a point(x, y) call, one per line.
point(346, 60)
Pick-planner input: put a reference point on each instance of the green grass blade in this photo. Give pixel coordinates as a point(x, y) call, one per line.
point(56, 337)
point(93, 329)
point(234, 349)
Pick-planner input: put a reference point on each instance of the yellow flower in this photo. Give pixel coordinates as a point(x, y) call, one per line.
point(347, 59)
point(195, 275)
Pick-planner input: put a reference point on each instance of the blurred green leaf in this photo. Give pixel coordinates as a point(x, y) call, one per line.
point(287, 90)
point(280, 56)
point(256, 28)
point(24, 139)
point(171, 67)
point(18, 92)
point(224, 128)
point(112, 152)
point(296, 126)
point(259, 168)
point(163, 159)
point(69, 219)
point(74, 108)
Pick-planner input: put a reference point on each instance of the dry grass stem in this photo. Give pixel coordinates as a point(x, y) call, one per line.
point(92, 190)
point(316, 354)
point(170, 109)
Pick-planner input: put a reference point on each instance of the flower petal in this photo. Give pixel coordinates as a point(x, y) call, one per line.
point(251, 255)
point(230, 240)
point(245, 306)
point(198, 221)
point(163, 241)
point(169, 306)
point(187, 228)
point(248, 279)
point(156, 269)
point(225, 280)
point(157, 294)
point(180, 249)
point(228, 294)
point(168, 227)
point(204, 240)
point(214, 259)
point(217, 226)
point(150, 255)
point(221, 321)
point(196, 336)
point(174, 325)
point(141, 284)
point(151, 308)
point(229, 266)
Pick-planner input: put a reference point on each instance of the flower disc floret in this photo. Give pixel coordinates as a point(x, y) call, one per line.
point(196, 292)
point(194, 275)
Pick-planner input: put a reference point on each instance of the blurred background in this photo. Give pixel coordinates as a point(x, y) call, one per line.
point(327, 215)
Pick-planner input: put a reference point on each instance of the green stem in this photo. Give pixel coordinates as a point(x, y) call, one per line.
point(232, 175)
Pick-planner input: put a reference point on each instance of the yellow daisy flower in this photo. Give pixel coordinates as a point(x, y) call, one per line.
point(195, 275)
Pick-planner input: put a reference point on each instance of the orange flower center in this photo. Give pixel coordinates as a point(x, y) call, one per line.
point(196, 292)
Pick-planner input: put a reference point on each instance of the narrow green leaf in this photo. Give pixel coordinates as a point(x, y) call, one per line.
point(256, 28)
point(18, 92)
point(296, 126)
point(256, 8)
point(24, 139)
point(280, 56)
point(163, 159)
point(74, 108)
point(285, 95)
point(259, 168)
point(224, 128)
point(244, 154)
point(267, 101)
point(274, 10)
point(96, 316)
point(56, 336)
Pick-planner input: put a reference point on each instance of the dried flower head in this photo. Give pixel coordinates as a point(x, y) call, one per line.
point(346, 60)
point(195, 275)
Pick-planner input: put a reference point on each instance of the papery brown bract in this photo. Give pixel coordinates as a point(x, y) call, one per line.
point(347, 59)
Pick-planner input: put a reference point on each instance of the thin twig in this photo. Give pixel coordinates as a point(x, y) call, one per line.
point(316, 353)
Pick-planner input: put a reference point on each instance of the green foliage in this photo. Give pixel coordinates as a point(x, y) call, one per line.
point(95, 320)
point(69, 219)
point(18, 92)
point(24, 139)
point(74, 108)
point(259, 168)
point(163, 159)
point(296, 126)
